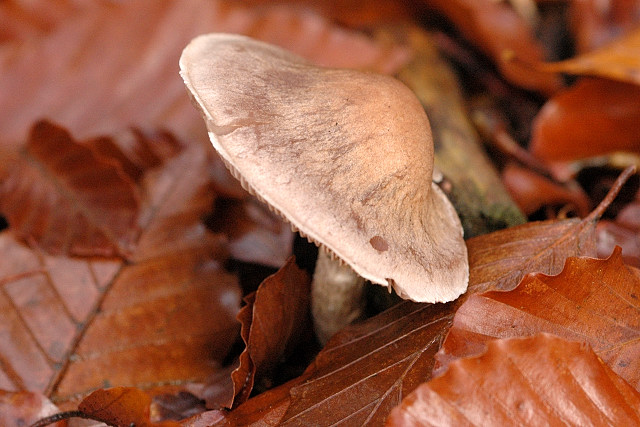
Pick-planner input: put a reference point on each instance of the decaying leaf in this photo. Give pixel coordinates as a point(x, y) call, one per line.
point(540, 380)
point(62, 196)
point(531, 191)
point(273, 321)
point(593, 117)
point(591, 300)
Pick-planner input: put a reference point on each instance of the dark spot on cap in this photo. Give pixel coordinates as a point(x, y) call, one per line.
point(379, 244)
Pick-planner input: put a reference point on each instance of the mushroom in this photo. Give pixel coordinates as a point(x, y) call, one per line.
point(345, 156)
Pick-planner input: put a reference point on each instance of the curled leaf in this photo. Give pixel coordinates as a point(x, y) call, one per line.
point(591, 300)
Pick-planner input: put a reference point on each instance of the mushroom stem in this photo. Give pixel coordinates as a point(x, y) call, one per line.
point(337, 296)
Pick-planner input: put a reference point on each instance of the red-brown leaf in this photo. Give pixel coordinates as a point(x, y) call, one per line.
point(541, 380)
point(593, 117)
point(496, 29)
point(591, 300)
point(273, 321)
point(121, 406)
point(618, 60)
point(124, 73)
point(74, 327)
point(594, 25)
point(63, 197)
point(367, 369)
point(256, 234)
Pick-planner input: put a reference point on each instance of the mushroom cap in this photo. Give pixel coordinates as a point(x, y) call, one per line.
point(345, 156)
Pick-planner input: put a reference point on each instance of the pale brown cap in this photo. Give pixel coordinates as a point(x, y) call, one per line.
point(343, 155)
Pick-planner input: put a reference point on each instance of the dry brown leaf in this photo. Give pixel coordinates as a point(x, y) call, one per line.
point(540, 380)
point(592, 118)
point(273, 321)
point(532, 191)
point(69, 327)
point(62, 196)
point(498, 30)
point(366, 369)
point(591, 300)
point(124, 72)
point(121, 406)
point(618, 60)
point(256, 234)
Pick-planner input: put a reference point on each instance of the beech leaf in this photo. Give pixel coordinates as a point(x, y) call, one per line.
point(618, 60)
point(272, 323)
point(124, 73)
point(593, 117)
point(591, 300)
point(496, 29)
point(63, 197)
point(367, 368)
point(540, 380)
point(121, 406)
point(71, 325)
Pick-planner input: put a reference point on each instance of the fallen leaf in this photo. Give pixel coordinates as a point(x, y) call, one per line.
point(354, 13)
point(273, 321)
point(367, 368)
point(124, 73)
point(532, 191)
point(593, 117)
point(591, 300)
point(176, 406)
point(497, 30)
point(121, 406)
point(20, 409)
point(540, 380)
point(155, 323)
point(618, 60)
point(71, 325)
point(22, 20)
point(256, 234)
point(63, 197)
point(594, 24)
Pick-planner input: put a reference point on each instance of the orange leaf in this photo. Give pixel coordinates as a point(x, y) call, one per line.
point(591, 300)
point(618, 60)
point(531, 191)
point(593, 117)
point(541, 380)
point(121, 406)
point(366, 369)
point(62, 196)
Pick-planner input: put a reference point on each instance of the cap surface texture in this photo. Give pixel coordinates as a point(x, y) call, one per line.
point(345, 156)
